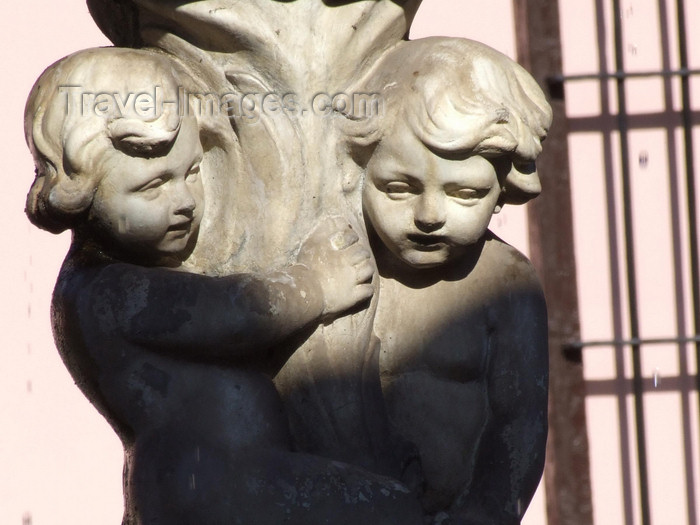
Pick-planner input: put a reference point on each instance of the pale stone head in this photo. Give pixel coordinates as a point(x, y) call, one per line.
point(115, 157)
point(460, 131)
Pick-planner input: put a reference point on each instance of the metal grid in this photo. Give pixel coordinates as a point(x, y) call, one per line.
point(633, 343)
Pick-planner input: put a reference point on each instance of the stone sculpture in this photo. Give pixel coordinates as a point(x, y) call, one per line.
point(231, 174)
point(467, 366)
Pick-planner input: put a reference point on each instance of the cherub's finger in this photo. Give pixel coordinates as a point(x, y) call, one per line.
point(343, 239)
point(358, 255)
point(364, 273)
point(363, 292)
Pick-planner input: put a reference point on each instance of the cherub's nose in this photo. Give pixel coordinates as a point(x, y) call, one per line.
point(185, 202)
point(429, 214)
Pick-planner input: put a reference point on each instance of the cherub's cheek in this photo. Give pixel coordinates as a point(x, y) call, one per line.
point(401, 219)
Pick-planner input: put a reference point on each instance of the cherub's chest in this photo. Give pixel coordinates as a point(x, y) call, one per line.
point(443, 332)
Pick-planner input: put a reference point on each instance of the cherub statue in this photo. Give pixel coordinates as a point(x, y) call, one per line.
point(180, 363)
point(461, 316)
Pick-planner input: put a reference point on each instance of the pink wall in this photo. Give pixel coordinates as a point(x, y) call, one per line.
point(59, 462)
point(672, 442)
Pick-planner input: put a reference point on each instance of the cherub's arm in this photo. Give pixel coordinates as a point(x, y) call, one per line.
point(182, 313)
point(230, 317)
point(510, 457)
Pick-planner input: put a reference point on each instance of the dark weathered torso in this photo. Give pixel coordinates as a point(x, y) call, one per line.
point(141, 390)
point(436, 345)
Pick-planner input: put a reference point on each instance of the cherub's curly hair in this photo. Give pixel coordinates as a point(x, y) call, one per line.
point(69, 144)
point(458, 96)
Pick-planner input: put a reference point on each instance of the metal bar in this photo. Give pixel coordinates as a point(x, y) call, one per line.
point(637, 121)
point(682, 72)
point(678, 266)
point(690, 178)
point(657, 384)
point(631, 269)
point(634, 341)
point(616, 299)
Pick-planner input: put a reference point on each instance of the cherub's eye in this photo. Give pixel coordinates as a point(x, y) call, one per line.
point(468, 195)
point(193, 173)
point(153, 184)
point(398, 189)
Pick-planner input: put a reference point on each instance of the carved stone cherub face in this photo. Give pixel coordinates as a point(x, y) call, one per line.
point(152, 206)
point(428, 209)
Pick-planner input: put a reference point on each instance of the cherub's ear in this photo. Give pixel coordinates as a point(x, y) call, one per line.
point(353, 176)
point(360, 137)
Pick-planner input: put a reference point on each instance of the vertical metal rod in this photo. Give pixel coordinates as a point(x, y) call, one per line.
point(678, 241)
point(615, 270)
point(631, 268)
point(690, 178)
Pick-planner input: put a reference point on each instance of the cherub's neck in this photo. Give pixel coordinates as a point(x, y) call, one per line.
point(391, 267)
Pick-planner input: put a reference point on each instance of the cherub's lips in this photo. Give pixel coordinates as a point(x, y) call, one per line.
point(180, 227)
point(428, 242)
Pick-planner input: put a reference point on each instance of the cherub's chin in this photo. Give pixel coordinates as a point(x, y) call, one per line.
point(426, 256)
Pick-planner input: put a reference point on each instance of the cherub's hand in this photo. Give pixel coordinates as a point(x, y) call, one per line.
point(342, 266)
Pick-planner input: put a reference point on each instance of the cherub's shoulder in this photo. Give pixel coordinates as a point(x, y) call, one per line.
point(514, 286)
point(86, 284)
point(506, 264)
point(87, 273)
